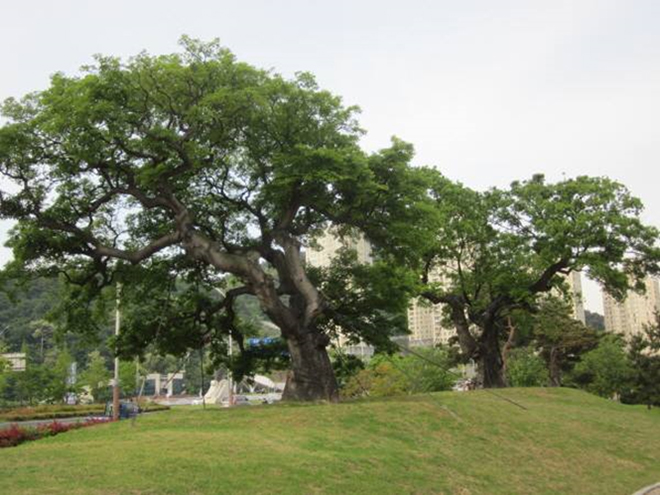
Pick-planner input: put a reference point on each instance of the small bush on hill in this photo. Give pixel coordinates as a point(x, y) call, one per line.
point(526, 369)
point(428, 370)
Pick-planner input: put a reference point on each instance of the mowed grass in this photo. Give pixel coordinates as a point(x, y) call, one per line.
point(465, 443)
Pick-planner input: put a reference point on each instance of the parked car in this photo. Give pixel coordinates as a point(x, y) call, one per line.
point(240, 400)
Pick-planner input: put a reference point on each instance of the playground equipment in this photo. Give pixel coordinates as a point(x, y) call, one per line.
point(218, 392)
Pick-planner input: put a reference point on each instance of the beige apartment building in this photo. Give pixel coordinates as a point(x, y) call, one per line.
point(328, 245)
point(425, 322)
point(631, 316)
point(575, 290)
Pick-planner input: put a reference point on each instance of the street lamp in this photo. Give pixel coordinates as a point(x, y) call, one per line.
point(230, 378)
point(115, 381)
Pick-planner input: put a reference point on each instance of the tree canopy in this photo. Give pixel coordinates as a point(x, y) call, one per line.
point(498, 251)
point(197, 181)
point(191, 166)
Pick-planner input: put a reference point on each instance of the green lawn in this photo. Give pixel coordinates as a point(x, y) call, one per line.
point(465, 443)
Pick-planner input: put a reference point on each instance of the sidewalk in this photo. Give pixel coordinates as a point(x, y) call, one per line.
point(649, 490)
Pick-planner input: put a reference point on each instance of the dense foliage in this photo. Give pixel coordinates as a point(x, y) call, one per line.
point(644, 356)
point(191, 184)
point(605, 370)
point(427, 370)
point(189, 167)
point(526, 369)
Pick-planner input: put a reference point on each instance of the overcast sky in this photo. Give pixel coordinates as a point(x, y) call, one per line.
point(487, 91)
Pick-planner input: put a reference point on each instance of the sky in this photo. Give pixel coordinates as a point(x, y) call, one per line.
point(487, 91)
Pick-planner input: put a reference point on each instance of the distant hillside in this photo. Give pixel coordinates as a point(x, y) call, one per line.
point(550, 441)
point(594, 320)
point(32, 305)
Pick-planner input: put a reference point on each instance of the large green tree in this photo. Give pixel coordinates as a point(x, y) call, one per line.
point(497, 252)
point(189, 167)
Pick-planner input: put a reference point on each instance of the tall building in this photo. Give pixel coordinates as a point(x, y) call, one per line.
point(632, 315)
point(426, 321)
point(575, 289)
point(426, 324)
point(329, 243)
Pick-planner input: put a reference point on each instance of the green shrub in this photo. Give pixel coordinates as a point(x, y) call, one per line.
point(606, 370)
point(425, 371)
point(526, 369)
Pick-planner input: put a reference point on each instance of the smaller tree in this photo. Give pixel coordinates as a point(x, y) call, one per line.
point(644, 354)
point(346, 366)
point(428, 370)
point(43, 332)
point(380, 379)
point(594, 320)
point(526, 369)
point(4, 367)
point(32, 385)
point(560, 338)
point(504, 250)
point(605, 370)
point(4, 363)
point(96, 377)
point(130, 377)
point(57, 369)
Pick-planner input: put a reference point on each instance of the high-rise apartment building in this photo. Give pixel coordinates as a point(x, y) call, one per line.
point(630, 316)
point(426, 324)
point(426, 321)
point(328, 245)
point(574, 281)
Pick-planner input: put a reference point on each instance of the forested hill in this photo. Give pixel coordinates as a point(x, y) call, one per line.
point(595, 320)
point(18, 316)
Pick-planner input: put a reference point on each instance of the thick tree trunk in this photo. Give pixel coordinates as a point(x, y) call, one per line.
point(508, 346)
point(554, 368)
point(311, 377)
point(490, 364)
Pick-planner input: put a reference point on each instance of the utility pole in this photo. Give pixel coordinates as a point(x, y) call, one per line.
point(231, 375)
point(230, 378)
point(201, 374)
point(115, 382)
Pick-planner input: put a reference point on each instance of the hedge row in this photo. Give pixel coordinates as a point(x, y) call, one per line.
point(59, 412)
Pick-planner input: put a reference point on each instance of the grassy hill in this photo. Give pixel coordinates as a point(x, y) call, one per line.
point(466, 443)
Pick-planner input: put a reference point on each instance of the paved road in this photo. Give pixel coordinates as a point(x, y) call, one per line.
point(649, 490)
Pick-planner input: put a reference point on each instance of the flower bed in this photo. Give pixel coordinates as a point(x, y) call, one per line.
point(15, 435)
